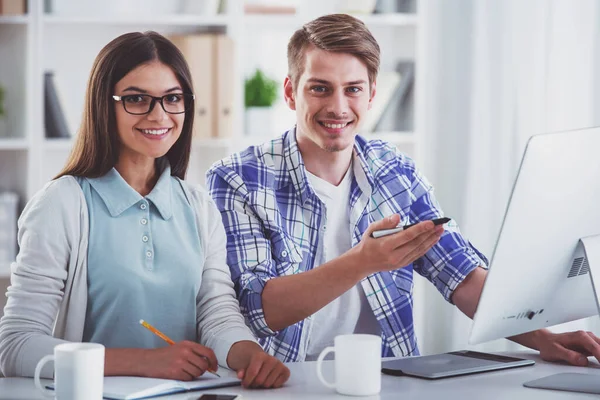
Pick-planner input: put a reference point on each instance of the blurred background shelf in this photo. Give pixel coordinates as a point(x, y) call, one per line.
point(16, 19)
point(272, 20)
point(13, 144)
point(287, 21)
point(168, 20)
point(294, 20)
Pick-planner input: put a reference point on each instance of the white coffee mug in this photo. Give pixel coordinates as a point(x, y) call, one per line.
point(357, 365)
point(78, 371)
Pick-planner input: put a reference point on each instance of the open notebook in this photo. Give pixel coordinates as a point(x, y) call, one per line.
point(131, 387)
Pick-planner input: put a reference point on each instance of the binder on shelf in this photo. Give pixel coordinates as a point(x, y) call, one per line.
point(397, 113)
point(198, 50)
point(54, 120)
point(12, 7)
point(71, 119)
point(387, 85)
point(210, 58)
point(8, 227)
point(225, 85)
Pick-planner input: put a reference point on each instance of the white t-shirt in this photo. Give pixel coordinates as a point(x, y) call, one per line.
point(349, 313)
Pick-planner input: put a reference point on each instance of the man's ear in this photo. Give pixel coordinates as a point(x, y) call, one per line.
point(373, 91)
point(288, 93)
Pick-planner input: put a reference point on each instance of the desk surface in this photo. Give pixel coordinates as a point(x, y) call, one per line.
point(304, 384)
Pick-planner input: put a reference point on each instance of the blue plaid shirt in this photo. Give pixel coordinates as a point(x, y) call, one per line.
point(274, 222)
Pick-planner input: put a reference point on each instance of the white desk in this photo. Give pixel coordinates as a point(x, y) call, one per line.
point(304, 384)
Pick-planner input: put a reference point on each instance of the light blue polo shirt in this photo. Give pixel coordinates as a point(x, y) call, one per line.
point(144, 262)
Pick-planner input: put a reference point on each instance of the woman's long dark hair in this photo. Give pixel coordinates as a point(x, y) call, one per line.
point(96, 148)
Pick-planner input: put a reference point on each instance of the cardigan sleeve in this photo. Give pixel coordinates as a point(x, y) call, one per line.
point(48, 229)
point(220, 323)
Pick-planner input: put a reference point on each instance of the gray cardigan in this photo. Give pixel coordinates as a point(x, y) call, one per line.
point(47, 298)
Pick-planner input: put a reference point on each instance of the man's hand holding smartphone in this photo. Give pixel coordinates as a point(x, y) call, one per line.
point(395, 247)
point(385, 232)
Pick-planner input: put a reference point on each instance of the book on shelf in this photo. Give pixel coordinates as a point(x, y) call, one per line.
point(8, 227)
point(198, 51)
point(13, 7)
point(395, 6)
point(55, 123)
point(72, 119)
point(387, 85)
point(210, 58)
point(398, 115)
point(225, 85)
point(392, 103)
point(133, 388)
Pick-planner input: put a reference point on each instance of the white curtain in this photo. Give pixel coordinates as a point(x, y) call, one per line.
point(497, 71)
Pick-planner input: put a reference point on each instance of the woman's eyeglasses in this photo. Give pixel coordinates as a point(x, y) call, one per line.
point(140, 104)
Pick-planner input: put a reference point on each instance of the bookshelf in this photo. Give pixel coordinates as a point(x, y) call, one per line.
point(67, 44)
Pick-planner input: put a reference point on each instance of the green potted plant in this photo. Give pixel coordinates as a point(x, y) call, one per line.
point(260, 95)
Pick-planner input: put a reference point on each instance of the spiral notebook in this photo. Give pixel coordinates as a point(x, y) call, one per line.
point(133, 388)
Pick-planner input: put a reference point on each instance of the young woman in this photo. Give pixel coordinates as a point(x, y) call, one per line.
point(118, 236)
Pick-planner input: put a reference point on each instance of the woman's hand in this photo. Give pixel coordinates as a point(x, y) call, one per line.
point(182, 361)
point(256, 368)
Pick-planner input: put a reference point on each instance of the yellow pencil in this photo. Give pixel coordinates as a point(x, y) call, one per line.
point(166, 338)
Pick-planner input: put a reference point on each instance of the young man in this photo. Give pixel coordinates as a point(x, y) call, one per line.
point(299, 212)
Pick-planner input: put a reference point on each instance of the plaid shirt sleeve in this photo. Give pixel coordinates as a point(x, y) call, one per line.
point(449, 262)
point(248, 251)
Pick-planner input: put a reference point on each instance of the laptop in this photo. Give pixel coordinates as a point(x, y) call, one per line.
point(451, 364)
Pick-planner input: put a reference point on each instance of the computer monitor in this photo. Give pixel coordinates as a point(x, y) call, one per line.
point(539, 275)
point(547, 256)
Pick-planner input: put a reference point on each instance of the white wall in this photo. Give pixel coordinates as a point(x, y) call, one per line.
point(498, 73)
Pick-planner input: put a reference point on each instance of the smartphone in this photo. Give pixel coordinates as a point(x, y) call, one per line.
point(385, 232)
point(220, 397)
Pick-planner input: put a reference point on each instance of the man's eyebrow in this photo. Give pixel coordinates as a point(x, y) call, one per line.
point(317, 80)
point(325, 82)
point(359, 82)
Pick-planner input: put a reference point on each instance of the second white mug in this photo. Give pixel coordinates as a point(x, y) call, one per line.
point(78, 371)
point(357, 365)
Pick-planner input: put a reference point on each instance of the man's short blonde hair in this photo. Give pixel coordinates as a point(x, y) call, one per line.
point(340, 33)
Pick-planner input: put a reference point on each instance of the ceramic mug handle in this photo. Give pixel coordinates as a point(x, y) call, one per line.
point(38, 371)
point(322, 356)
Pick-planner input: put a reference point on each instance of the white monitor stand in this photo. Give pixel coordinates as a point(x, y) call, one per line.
point(578, 382)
